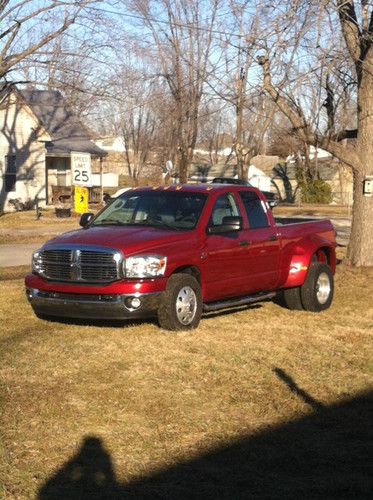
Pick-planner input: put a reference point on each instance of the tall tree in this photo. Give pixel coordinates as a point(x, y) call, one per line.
point(355, 20)
point(182, 36)
point(27, 27)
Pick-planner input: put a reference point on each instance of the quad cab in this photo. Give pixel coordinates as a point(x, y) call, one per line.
point(177, 252)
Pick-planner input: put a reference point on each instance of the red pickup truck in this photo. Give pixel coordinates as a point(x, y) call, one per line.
point(176, 252)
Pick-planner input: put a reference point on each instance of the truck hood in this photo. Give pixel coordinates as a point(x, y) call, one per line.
point(128, 239)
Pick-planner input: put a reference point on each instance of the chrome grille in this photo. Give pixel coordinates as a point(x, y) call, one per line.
point(79, 265)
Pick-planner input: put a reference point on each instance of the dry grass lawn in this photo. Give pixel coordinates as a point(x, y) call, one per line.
point(22, 227)
point(313, 210)
point(134, 408)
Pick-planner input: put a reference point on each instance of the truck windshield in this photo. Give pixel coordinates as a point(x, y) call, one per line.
point(165, 209)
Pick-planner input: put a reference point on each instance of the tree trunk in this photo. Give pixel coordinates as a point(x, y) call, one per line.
point(360, 250)
point(183, 167)
point(239, 129)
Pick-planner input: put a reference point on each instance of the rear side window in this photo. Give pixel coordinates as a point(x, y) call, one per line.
point(255, 211)
point(225, 206)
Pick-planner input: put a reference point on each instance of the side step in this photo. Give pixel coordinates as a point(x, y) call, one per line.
point(241, 301)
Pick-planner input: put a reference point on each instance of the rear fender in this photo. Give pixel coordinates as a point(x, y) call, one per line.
point(302, 259)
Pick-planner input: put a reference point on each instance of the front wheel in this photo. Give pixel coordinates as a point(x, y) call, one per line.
point(318, 289)
point(181, 306)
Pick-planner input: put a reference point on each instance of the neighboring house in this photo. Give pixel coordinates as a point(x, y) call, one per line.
point(111, 144)
point(38, 133)
point(259, 179)
point(337, 175)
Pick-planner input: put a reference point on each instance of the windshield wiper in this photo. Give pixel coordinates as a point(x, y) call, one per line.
point(158, 223)
point(150, 223)
point(109, 222)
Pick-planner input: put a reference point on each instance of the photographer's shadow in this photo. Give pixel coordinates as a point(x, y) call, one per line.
point(88, 474)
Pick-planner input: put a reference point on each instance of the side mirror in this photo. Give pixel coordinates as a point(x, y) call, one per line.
point(85, 219)
point(231, 223)
point(107, 198)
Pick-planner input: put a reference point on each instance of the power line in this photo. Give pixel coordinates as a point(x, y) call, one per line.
point(168, 23)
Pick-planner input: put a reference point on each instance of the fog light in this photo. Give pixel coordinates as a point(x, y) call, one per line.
point(31, 293)
point(133, 302)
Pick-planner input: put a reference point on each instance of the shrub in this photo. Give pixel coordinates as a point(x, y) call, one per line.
point(315, 191)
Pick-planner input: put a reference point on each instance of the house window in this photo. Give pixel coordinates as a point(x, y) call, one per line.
point(61, 176)
point(61, 170)
point(10, 177)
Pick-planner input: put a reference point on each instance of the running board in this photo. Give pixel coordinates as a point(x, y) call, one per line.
point(249, 299)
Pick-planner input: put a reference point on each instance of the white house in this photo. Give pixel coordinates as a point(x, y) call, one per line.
point(111, 144)
point(38, 133)
point(258, 178)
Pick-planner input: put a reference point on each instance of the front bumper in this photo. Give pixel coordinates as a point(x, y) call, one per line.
point(117, 306)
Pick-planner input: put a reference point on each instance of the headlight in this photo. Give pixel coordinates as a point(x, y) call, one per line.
point(36, 262)
point(146, 266)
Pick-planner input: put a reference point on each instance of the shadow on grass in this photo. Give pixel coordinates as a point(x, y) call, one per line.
point(99, 323)
point(295, 389)
point(137, 321)
point(324, 455)
point(231, 310)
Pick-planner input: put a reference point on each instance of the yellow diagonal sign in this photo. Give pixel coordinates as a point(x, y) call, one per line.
point(81, 200)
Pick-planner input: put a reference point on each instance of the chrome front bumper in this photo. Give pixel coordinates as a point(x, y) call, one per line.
point(69, 305)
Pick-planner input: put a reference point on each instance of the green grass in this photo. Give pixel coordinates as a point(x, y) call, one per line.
point(155, 400)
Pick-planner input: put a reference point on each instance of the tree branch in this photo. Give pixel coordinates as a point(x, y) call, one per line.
point(16, 58)
point(301, 128)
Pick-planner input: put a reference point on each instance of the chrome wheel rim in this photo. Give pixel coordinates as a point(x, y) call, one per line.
point(186, 305)
point(323, 288)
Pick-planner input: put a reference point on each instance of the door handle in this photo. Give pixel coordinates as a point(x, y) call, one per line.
point(273, 238)
point(244, 243)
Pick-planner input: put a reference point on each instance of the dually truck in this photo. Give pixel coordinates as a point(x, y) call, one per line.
point(176, 252)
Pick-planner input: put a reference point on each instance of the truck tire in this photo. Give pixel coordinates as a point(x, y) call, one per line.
point(291, 298)
point(318, 289)
point(181, 306)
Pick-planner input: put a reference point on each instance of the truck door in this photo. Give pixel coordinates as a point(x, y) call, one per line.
point(261, 261)
point(223, 253)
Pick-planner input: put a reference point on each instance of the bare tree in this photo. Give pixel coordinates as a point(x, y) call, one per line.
point(181, 32)
point(236, 82)
point(138, 128)
point(355, 20)
point(216, 132)
point(28, 27)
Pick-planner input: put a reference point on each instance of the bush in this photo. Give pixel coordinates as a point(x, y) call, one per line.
point(315, 191)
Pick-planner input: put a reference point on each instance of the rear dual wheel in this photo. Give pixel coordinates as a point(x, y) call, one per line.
point(316, 293)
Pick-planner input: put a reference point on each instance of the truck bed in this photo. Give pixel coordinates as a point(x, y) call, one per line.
point(282, 221)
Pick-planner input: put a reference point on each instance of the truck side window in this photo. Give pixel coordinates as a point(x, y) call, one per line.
point(224, 206)
point(255, 212)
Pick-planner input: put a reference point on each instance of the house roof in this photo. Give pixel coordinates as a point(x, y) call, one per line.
point(66, 130)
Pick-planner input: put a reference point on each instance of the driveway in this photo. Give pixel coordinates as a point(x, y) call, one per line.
point(17, 255)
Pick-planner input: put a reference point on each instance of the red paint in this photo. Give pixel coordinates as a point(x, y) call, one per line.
point(229, 265)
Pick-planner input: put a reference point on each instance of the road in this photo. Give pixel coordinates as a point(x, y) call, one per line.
point(20, 254)
point(16, 255)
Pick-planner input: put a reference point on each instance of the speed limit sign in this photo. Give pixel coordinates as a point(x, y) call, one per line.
point(81, 169)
